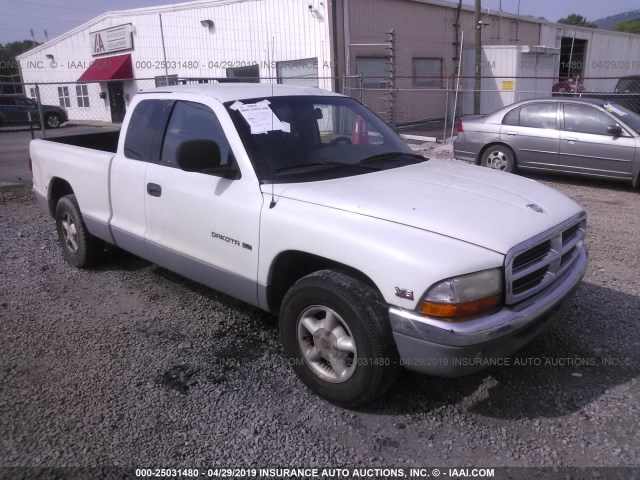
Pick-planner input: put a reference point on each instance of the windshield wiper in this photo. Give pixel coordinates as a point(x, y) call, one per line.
point(302, 166)
point(383, 156)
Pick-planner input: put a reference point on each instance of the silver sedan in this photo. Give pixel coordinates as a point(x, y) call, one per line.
point(576, 136)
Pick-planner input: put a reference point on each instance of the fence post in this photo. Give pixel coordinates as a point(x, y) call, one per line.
point(40, 113)
point(446, 113)
point(392, 78)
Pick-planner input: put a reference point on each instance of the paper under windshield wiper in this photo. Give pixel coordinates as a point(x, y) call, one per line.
point(382, 156)
point(302, 166)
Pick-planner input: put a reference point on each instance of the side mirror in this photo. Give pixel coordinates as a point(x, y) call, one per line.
point(614, 131)
point(203, 156)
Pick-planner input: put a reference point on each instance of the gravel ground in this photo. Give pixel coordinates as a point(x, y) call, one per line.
point(132, 365)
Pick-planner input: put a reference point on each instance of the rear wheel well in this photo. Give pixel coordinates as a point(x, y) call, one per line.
point(487, 147)
point(58, 188)
point(290, 266)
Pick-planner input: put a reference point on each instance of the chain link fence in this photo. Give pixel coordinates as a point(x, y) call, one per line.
point(420, 108)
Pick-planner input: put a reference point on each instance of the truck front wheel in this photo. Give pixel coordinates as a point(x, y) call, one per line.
point(337, 338)
point(80, 248)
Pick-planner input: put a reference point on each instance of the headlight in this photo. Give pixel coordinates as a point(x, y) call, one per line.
point(464, 295)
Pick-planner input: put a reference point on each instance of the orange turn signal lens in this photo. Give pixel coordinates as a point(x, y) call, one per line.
point(458, 309)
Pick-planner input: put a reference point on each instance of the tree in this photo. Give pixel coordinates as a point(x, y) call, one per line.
point(577, 20)
point(628, 26)
point(9, 72)
point(9, 52)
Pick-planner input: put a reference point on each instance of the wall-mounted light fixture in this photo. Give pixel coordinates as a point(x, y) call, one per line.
point(316, 12)
point(209, 25)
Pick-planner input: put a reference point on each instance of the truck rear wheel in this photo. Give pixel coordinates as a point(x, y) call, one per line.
point(80, 248)
point(337, 338)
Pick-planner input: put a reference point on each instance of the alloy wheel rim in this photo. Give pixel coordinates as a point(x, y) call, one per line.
point(327, 344)
point(497, 160)
point(70, 233)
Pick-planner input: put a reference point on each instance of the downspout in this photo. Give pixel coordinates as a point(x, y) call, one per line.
point(347, 37)
point(334, 46)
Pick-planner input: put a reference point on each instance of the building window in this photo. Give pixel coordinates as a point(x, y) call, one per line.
point(82, 92)
point(63, 96)
point(303, 72)
point(374, 71)
point(166, 80)
point(248, 74)
point(427, 72)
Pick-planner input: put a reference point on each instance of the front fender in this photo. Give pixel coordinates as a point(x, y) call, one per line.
point(392, 255)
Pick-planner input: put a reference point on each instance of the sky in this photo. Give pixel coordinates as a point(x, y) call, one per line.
point(58, 16)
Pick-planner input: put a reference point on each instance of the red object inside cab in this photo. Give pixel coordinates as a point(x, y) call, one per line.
point(359, 133)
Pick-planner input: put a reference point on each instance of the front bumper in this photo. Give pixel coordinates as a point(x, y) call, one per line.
point(445, 349)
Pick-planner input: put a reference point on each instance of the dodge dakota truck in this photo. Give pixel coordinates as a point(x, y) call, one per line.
point(305, 204)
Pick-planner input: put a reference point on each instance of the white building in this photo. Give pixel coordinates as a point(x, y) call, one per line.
point(97, 67)
point(406, 51)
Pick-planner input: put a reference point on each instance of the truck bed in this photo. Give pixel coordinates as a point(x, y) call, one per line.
point(103, 141)
point(84, 162)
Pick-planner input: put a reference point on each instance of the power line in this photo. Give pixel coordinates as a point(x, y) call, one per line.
point(45, 18)
point(93, 10)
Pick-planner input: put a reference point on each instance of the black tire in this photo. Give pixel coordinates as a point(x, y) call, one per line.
point(362, 315)
point(499, 157)
point(52, 120)
point(80, 248)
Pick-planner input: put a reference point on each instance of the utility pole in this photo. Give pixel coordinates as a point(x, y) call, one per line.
point(478, 49)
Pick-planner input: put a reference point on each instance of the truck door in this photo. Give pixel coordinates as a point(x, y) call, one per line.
point(202, 226)
point(142, 141)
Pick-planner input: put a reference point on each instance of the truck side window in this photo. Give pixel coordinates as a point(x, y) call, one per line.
point(193, 121)
point(146, 124)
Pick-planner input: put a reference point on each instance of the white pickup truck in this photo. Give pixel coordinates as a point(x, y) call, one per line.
point(304, 203)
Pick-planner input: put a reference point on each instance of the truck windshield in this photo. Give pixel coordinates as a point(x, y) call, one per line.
point(305, 138)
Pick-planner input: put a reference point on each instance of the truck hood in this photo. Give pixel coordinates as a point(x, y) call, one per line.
point(494, 210)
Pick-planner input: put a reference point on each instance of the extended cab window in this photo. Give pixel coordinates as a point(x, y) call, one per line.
point(145, 130)
point(193, 121)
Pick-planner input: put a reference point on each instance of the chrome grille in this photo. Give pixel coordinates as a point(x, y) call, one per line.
point(535, 264)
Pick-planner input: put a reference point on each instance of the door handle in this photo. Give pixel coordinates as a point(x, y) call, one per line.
point(511, 134)
point(154, 189)
point(572, 139)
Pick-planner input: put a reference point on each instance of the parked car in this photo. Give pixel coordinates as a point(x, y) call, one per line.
point(305, 204)
point(626, 93)
point(588, 137)
point(16, 110)
point(567, 86)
